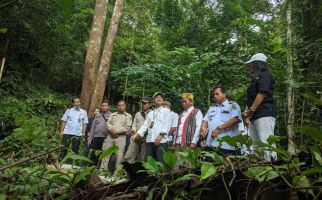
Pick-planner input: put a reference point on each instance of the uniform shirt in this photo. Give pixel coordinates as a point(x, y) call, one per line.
point(138, 121)
point(184, 116)
point(121, 122)
point(217, 115)
point(99, 128)
point(161, 118)
point(74, 118)
point(263, 82)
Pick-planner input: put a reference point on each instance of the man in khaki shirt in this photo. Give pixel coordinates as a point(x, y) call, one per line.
point(138, 147)
point(118, 124)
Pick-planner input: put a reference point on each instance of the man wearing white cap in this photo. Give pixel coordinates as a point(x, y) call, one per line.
point(260, 110)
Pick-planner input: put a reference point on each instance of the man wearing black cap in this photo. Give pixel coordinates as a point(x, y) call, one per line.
point(157, 123)
point(138, 147)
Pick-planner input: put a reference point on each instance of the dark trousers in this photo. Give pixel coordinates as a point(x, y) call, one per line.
point(97, 144)
point(86, 147)
point(67, 140)
point(156, 152)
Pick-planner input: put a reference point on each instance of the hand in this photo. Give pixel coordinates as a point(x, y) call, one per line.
point(214, 133)
point(158, 140)
point(89, 141)
point(247, 122)
point(203, 132)
point(193, 146)
point(133, 133)
point(61, 134)
point(135, 137)
point(248, 113)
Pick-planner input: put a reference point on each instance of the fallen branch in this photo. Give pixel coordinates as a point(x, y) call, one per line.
point(29, 159)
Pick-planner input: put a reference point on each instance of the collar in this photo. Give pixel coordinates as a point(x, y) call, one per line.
point(190, 109)
point(146, 112)
point(121, 112)
point(75, 108)
point(223, 104)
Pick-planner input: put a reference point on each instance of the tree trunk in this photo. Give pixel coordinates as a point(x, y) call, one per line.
point(291, 148)
point(93, 52)
point(106, 56)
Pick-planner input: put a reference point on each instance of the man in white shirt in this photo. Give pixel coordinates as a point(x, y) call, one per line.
point(157, 123)
point(189, 124)
point(74, 124)
point(174, 121)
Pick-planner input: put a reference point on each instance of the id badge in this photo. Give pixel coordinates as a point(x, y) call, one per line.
point(151, 125)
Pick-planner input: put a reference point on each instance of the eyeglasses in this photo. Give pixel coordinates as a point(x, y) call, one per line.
point(184, 101)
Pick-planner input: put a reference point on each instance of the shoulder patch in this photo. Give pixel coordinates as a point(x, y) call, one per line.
point(233, 104)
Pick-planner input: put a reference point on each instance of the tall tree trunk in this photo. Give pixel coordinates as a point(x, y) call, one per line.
point(93, 52)
point(291, 148)
point(106, 56)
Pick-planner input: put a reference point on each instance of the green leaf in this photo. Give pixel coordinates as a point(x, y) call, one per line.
point(271, 175)
point(152, 165)
point(170, 159)
point(313, 99)
point(314, 133)
point(2, 197)
point(311, 171)
point(186, 177)
point(3, 30)
point(76, 157)
point(207, 170)
point(65, 5)
point(60, 177)
point(318, 157)
point(109, 152)
point(261, 173)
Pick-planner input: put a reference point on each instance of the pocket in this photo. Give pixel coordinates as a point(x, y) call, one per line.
point(225, 117)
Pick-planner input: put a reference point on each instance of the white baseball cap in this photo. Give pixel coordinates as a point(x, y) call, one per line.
point(257, 57)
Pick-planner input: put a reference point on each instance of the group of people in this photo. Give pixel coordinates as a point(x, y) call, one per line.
point(152, 131)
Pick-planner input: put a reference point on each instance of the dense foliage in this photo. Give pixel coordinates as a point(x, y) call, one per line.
point(171, 46)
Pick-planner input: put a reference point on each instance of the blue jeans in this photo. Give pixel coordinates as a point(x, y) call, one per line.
point(156, 152)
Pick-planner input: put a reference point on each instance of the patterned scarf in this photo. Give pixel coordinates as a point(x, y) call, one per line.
point(189, 128)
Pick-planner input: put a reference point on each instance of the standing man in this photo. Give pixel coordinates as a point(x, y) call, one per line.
point(189, 124)
point(118, 124)
point(98, 131)
point(174, 121)
point(74, 122)
point(138, 147)
point(157, 123)
point(221, 119)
